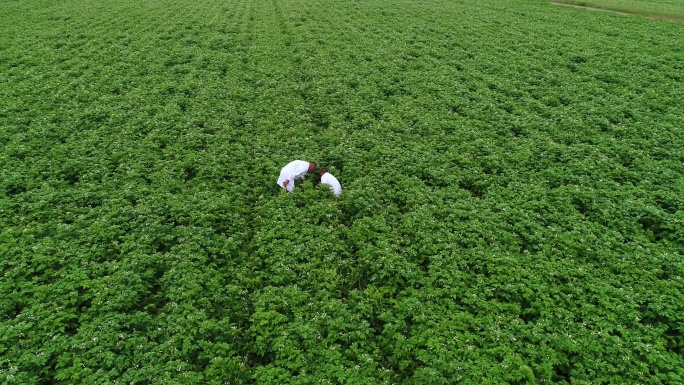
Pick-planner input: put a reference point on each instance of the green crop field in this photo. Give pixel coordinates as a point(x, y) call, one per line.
point(513, 205)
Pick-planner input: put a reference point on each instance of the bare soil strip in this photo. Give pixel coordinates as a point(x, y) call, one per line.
point(589, 8)
point(674, 19)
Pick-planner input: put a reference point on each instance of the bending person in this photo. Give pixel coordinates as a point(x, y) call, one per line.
point(330, 180)
point(296, 169)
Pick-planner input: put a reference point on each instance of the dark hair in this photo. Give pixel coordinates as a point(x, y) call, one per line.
point(324, 170)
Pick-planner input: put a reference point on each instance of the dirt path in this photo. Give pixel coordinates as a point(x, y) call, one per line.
point(589, 8)
point(673, 19)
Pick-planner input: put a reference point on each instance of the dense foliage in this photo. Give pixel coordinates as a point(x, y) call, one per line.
point(513, 206)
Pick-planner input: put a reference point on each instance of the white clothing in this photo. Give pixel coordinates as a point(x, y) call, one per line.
point(296, 169)
point(330, 180)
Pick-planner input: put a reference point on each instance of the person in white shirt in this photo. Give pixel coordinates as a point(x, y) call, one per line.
point(296, 169)
point(330, 180)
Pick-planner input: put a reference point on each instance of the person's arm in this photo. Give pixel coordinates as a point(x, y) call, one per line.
point(289, 185)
